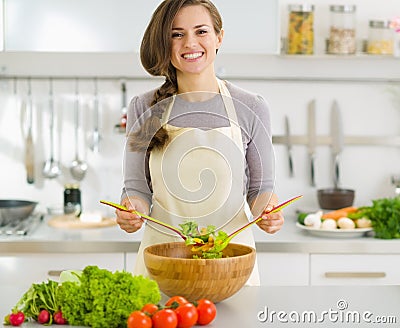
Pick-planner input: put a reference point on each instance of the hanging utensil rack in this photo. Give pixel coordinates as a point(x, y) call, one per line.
point(321, 140)
point(391, 141)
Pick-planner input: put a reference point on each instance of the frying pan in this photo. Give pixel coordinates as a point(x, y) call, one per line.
point(13, 209)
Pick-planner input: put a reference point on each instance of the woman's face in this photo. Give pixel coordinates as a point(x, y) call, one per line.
point(194, 41)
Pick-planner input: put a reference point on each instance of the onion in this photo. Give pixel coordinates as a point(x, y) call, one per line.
point(346, 223)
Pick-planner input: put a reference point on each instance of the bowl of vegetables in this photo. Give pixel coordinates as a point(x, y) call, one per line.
point(206, 264)
point(177, 272)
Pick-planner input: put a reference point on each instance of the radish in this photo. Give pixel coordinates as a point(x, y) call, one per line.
point(17, 318)
point(59, 319)
point(43, 317)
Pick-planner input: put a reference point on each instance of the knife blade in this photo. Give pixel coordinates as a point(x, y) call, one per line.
point(29, 145)
point(289, 146)
point(337, 141)
point(312, 140)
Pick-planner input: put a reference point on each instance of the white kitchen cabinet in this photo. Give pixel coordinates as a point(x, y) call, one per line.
point(76, 26)
point(276, 269)
point(87, 26)
point(355, 269)
point(18, 272)
point(283, 269)
point(35, 268)
point(130, 259)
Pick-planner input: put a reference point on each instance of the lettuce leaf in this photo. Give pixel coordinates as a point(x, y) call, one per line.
point(105, 299)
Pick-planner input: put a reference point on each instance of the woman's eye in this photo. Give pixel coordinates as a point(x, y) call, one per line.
point(177, 35)
point(202, 32)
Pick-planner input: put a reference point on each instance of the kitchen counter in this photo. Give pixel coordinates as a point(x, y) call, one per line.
point(46, 239)
point(241, 310)
point(341, 306)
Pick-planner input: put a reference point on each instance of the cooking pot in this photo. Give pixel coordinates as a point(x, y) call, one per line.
point(13, 209)
point(335, 198)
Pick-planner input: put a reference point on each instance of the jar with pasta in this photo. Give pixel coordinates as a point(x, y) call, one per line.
point(380, 38)
point(342, 33)
point(301, 29)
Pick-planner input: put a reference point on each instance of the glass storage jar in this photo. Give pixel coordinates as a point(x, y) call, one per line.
point(301, 29)
point(380, 38)
point(72, 199)
point(342, 34)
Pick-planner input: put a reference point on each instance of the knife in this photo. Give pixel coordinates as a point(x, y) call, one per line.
point(312, 140)
point(337, 140)
point(289, 146)
point(29, 145)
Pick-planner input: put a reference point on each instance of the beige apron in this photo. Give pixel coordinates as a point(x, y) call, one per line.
point(199, 176)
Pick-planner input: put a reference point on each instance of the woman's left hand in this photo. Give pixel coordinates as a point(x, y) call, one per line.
point(271, 223)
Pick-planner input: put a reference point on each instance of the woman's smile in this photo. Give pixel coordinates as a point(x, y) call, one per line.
point(192, 56)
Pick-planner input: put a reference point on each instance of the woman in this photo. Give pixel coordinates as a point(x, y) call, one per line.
point(198, 148)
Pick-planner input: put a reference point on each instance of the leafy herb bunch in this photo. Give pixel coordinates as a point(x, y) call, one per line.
point(384, 215)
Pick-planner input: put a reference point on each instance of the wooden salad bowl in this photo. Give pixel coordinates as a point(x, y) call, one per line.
point(177, 273)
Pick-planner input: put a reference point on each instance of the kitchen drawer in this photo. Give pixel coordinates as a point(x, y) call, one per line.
point(355, 269)
point(283, 269)
point(130, 259)
point(18, 272)
point(34, 268)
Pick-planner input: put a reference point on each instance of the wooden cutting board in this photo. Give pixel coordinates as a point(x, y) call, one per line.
point(72, 222)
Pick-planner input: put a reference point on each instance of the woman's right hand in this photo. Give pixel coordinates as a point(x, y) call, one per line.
point(131, 222)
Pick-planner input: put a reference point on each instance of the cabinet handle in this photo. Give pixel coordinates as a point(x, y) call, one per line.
point(54, 273)
point(355, 274)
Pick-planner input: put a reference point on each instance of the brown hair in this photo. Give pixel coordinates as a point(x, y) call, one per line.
point(155, 55)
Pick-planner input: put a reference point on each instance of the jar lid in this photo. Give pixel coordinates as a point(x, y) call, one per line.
point(71, 186)
point(301, 7)
point(379, 24)
point(343, 8)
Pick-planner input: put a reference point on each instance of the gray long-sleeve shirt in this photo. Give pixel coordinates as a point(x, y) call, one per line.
point(255, 123)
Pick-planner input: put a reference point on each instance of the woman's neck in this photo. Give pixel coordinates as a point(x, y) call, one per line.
point(197, 83)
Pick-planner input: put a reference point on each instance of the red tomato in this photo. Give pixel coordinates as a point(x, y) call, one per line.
point(187, 315)
point(17, 318)
point(138, 319)
point(178, 299)
point(206, 310)
point(150, 309)
point(165, 318)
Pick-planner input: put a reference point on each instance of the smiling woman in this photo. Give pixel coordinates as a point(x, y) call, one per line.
point(198, 148)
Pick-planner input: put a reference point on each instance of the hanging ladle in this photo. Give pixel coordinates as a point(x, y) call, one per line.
point(223, 243)
point(95, 139)
point(51, 168)
point(78, 166)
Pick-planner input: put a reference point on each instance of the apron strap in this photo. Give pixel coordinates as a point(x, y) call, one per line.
point(230, 110)
point(167, 112)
